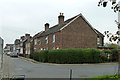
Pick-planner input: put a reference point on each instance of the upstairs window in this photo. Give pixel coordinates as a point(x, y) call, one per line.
point(39, 42)
point(46, 40)
point(98, 41)
point(53, 38)
point(35, 41)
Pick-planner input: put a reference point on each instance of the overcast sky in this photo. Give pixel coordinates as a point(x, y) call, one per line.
point(18, 17)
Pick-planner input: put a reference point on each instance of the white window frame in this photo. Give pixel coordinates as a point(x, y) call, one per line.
point(35, 41)
point(39, 41)
point(53, 38)
point(46, 40)
point(57, 48)
point(41, 48)
point(98, 41)
point(29, 52)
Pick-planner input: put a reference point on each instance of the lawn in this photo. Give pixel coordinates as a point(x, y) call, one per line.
point(105, 77)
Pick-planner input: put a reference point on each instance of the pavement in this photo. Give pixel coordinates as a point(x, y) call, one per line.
point(28, 59)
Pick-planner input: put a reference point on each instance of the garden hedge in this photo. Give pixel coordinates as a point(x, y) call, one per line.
point(68, 56)
point(75, 56)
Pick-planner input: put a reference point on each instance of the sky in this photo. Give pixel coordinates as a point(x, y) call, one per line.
point(18, 17)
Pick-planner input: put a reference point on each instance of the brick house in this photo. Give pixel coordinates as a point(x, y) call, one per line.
point(8, 48)
point(23, 43)
point(28, 46)
point(75, 32)
point(17, 45)
point(22, 46)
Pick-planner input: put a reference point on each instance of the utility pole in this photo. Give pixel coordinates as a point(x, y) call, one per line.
point(1, 54)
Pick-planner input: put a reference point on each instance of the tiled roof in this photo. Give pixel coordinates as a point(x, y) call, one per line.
point(100, 34)
point(54, 28)
point(61, 26)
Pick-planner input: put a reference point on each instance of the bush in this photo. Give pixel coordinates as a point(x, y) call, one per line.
point(115, 55)
point(68, 56)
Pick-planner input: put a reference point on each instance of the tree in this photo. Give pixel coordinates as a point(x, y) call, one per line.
point(112, 45)
point(113, 37)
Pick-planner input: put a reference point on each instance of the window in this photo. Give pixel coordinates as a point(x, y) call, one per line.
point(29, 52)
point(35, 41)
point(21, 44)
point(53, 38)
point(98, 41)
point(28, 44)
point(26, 51)
point(41, 48)
point(53, 48)
point(57, 48)
point(46, 40)
point(39, 42)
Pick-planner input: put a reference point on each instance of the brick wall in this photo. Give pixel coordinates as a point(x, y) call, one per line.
point(78, 35)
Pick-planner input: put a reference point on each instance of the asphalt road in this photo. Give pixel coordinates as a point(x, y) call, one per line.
point(18, 66)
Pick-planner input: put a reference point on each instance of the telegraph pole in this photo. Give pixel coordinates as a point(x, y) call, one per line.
point(1, 54)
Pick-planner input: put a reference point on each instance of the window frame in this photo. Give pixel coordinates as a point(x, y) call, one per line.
point(53, 38)
point(98, 40)
point(39, 42)
point(35, 42)
point(46, 40)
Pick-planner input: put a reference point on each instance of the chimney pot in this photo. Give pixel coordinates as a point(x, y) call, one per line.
point(60, 18)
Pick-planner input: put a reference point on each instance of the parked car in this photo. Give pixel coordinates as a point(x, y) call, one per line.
point(14, 54)
point(8, 53)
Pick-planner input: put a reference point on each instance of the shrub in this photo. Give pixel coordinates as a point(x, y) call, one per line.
point(68, 56)
point(115, 55)
point(104, 55)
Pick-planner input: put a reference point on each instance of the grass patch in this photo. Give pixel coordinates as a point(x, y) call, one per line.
point(105, 77)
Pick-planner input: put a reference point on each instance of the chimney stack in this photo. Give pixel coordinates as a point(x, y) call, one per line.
point(27, 36)
point(60, 18)
point(46, 26)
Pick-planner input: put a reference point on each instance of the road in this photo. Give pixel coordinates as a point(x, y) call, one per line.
point(18, 66)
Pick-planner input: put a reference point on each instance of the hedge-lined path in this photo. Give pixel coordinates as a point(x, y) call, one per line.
point(21, 66)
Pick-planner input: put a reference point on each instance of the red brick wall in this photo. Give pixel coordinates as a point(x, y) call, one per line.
point(78, 35)
point(50, 44)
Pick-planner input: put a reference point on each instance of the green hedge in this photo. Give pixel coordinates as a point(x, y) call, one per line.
point(114, 55)
point(75, 56)
point(68, 56)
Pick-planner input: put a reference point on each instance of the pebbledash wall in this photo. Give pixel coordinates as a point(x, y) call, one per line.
point(77, 33)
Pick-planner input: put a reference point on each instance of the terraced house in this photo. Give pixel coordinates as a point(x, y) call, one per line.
point(75, 32)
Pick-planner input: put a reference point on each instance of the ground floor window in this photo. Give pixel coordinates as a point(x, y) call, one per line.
point(53, 48)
